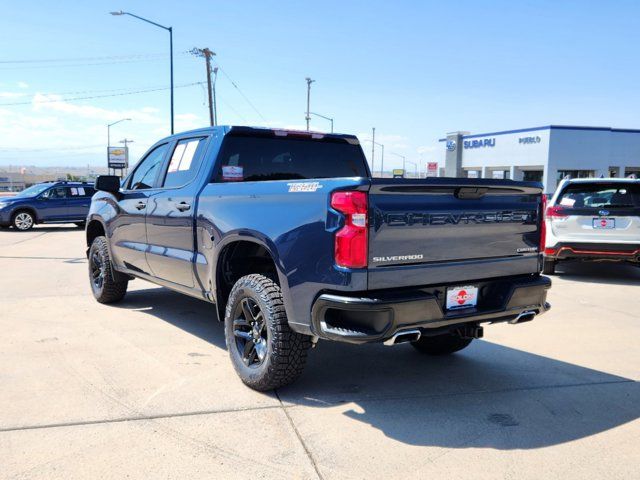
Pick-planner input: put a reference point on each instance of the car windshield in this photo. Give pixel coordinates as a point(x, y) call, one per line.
point(600, 195)
point(34, 190)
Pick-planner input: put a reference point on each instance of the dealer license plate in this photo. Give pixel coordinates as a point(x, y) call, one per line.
point(462, 297)
point(604, 223)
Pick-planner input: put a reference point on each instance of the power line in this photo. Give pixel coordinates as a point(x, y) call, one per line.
point(241, 93)
point(100, 96)
point(54, 63)
point(84, 59)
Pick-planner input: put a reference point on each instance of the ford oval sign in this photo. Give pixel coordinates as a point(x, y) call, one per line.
point(451, 145)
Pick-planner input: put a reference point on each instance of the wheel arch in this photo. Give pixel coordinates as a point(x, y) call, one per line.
point(25, 208)
point(240, 255)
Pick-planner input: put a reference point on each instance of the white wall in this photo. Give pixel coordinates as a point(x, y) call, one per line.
point(508, 151)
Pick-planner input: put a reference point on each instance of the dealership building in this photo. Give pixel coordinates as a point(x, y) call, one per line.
point(545, 154)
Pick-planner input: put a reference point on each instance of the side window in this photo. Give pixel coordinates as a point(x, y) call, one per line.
point(145, 173)
point(73, 192)
point(55, 193)
point(184, 162)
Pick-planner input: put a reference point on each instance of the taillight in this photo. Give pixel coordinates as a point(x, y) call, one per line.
point(352, 239)
point(556, 211)
point(543, 223)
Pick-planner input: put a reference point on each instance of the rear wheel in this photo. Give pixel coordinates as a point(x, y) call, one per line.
point(264, 351)
point(441, 344)
point(23, 221)
point(549, 266)
point(104, 285)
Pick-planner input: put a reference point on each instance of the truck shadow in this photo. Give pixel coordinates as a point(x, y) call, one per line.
point(488, 396)
point(599, 272)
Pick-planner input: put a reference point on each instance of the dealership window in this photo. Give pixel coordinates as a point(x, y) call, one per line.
point(532, 175)
point(632, 171)
point(575, 174)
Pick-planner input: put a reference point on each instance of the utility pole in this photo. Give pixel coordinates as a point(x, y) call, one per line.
point(309, 82)
point(215, 103)
point(126, 141)
point(207, 54)
point(373, 147)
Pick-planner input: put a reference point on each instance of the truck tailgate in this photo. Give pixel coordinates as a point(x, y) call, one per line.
point(443, 230)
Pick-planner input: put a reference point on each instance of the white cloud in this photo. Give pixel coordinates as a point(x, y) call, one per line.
point(11, 94)
point(23, 85)
point(426, 149)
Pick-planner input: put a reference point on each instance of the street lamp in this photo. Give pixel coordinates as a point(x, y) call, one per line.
point(415, 165)
point(404, 159)
point(170, 30)
point(309, 82)
point(326, 118)
point(109, 133)
point(381, 157)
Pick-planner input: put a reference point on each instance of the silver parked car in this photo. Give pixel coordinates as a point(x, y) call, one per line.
point(594, 220)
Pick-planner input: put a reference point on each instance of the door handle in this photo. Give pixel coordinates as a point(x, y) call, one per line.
point(183, 206)
point(140, 205)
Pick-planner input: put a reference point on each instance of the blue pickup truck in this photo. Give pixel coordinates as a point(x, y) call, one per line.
point(291, 238)
point(49, 202)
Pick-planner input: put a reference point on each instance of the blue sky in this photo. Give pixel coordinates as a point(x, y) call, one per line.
point(414, 70)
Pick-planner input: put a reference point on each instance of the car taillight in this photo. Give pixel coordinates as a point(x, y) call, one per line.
point(351, 240)
point(543, 224)
point(556, 211)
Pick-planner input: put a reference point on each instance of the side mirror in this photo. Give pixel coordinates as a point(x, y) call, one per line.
point(108, 183)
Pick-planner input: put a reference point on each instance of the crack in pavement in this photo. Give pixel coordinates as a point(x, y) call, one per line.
point(135, 418)
point(300, 439)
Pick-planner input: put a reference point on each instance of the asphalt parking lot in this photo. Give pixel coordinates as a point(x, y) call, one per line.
point(144, 389)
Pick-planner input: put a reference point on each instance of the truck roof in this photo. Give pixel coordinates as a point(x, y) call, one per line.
point(265, 131)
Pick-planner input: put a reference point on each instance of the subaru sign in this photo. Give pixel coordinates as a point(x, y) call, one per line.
point(529, 140)
point(451, 145)
point(483, 142)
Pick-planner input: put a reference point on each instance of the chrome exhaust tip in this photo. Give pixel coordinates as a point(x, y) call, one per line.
point(403, 337)
point(525, 316)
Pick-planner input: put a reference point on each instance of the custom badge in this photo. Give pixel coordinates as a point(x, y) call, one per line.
point(304, 187)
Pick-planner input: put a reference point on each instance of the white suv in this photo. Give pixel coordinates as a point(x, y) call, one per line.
point(593, 219)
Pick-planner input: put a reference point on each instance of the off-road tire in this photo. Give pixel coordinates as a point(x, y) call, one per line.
point(23, 220)
point(441, 344)
point(112, 289)
point(286, 350)
point(549, 267)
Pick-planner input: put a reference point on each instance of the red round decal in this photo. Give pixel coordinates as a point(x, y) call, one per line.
point(603, 222)
point(462, 297)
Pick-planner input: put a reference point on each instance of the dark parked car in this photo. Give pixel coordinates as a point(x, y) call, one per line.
point(51, 202)
point(294, 241)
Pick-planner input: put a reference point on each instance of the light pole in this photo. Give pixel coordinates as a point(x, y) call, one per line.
point(109, 136)
point(326, 118)
point(381, 157)
point(415, 165)
point(309, 82)
point(170, 30)
point(404, 159)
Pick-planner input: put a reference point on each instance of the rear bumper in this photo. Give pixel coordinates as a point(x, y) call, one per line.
point(379, 315)
point(594, 251)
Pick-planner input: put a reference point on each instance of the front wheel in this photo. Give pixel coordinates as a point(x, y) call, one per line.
point(264, 351)
point(23, 221)
point(105, 287)
point(441, 344)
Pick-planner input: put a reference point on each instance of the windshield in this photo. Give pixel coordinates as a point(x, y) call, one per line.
point(34, 190)
point(600, 195)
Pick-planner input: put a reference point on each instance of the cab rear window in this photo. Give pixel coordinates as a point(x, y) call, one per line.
point(250, 159)
point(600, 195)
